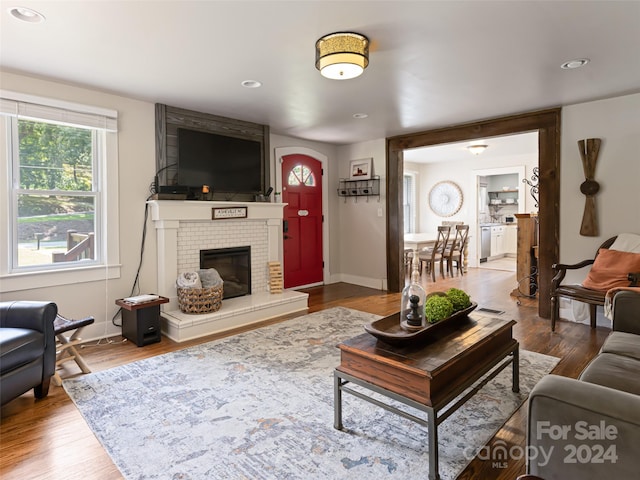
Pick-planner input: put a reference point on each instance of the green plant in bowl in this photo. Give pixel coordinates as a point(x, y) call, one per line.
point(459, 299)
point(437, 308)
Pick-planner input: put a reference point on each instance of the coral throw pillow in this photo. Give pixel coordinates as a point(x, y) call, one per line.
point(610, 269)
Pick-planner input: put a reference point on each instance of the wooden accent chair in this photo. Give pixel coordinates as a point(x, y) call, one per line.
point(575, 292)
point(431, 255)
point(454, 251)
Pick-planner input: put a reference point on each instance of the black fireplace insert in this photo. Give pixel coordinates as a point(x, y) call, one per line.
point(234, 266)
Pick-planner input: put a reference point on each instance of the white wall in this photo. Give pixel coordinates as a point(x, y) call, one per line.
point(464, 172)
point(617, 122)
point(356, 228)
point(361, 232)
point(136, 152)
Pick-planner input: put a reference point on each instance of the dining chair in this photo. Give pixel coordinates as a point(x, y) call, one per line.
point(431, 255)
point(408, 258)
point(455, 251)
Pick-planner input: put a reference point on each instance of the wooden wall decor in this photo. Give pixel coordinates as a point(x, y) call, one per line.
point(589, 150)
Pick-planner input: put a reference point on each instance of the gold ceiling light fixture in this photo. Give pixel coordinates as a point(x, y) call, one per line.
point(477, 149)
point(342, 55)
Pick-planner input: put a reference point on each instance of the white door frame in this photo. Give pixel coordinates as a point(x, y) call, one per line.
point(515, 169)
point(324, 161)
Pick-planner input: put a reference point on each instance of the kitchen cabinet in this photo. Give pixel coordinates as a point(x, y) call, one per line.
point(497, 241)
point(510, 239)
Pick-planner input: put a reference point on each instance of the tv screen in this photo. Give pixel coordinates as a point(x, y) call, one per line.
point(226, 164)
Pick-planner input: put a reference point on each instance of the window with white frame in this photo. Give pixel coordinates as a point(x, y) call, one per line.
point(409, 202)
point(56, 156)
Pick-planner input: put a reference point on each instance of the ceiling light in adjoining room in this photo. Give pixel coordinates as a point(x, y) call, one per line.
point(360, 116)
point(26, 15)
point(575, 63)
point(342, 55)
point(477, 149)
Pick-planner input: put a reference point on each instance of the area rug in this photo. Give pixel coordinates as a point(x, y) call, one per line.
point(259, 405)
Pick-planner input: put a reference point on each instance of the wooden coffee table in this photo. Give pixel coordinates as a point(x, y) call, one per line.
point(430, 377)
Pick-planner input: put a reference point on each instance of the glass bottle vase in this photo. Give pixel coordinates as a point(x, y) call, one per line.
point(413, 298)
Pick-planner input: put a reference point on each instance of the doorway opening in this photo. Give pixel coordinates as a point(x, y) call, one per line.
point(547, 124)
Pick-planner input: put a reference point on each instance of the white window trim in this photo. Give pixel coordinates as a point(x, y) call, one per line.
point(110, 266)
point(413, 221)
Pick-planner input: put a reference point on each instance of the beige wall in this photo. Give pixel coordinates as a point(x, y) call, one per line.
point(617, 122)
point(464, 172)
point(361, 224)
point(136, 153)
point(356, 230)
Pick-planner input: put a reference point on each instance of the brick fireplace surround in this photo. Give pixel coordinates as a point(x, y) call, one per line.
point(183, 228)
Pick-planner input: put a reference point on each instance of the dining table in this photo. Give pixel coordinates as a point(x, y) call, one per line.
point(420, 240)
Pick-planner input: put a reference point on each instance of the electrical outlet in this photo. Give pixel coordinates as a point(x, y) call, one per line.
point(380, 211)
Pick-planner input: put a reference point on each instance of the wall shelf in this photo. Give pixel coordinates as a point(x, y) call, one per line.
point(359, 188)
point(503, 198)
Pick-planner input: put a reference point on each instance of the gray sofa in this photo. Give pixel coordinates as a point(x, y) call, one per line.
point(589, 428)
point(27, 348)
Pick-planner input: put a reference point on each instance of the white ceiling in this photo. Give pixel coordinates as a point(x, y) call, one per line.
point(432, 63)
point(510, 146)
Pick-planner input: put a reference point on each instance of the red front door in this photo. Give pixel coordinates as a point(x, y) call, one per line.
point(302, 232)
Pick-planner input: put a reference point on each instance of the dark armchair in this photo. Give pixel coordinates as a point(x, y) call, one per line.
point(27, 348)
point(575, 292)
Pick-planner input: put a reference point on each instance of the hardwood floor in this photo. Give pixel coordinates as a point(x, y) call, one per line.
point(48, 439)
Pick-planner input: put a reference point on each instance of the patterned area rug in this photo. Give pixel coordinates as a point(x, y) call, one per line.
point(259, 405)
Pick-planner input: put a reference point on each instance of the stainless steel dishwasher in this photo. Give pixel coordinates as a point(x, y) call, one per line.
point(485, 243)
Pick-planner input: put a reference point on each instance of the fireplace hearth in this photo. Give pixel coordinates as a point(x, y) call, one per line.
point(184, 228)
point(234, 266)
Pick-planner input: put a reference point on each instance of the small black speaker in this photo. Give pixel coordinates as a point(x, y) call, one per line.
point(142, 326)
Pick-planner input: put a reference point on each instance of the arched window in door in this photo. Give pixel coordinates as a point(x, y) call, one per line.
point(301, 175)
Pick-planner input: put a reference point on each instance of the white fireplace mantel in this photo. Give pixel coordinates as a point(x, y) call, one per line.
point(167, 210)
point(171, 215)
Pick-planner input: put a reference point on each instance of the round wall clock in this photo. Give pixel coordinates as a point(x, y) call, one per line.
point(445, 198)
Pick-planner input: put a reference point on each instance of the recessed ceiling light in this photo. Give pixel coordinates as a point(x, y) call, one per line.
point(360, 115)
point(251, 84)
point(575, 63)
point(26, 15)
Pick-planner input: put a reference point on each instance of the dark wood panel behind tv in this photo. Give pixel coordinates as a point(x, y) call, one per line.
point(169, 119)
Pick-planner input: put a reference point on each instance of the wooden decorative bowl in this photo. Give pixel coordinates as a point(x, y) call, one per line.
point(389, 330)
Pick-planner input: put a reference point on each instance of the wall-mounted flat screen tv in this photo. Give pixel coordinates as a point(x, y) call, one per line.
point(227, 164)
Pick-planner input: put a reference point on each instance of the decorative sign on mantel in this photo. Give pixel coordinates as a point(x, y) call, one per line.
point(228, 212)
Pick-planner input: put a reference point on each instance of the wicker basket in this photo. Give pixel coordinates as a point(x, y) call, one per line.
point(200, 300)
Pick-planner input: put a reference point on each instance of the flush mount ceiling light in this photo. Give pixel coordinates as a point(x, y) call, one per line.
point(342, 55)
point(477, 149)
point(360, 116)
point(26, 15)
point(575, 63)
